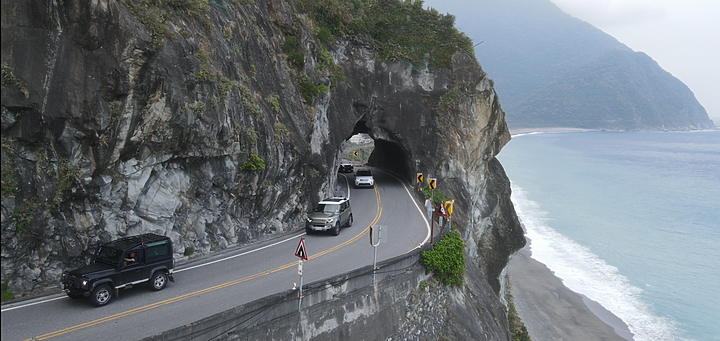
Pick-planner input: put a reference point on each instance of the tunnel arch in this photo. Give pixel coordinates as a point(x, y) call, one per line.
point(387, 154)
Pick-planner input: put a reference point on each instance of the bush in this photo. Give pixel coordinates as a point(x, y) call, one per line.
point(446, 259)
point(290, 44)
point(323, 35)
point(297, 59)
point(438, 197)
point(253, 163)
point(308, 90)
point(6, 294)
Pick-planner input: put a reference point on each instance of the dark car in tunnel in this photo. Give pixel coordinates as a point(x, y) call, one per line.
point(346, 167)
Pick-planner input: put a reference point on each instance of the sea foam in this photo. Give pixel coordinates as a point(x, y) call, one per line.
point(587, 274)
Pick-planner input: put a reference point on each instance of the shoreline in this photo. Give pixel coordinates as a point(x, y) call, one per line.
point(551, 311)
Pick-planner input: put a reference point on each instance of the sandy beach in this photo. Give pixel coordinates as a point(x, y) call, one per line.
point(551, 311)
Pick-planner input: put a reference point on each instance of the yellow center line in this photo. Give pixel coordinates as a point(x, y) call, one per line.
point(211, 289)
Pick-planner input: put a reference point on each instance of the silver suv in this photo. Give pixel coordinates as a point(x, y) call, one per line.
point(364, 178)
point(329, 215)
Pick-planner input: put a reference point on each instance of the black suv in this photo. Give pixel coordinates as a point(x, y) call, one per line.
point(120, 264)
point(329, 215)
point(346, 167)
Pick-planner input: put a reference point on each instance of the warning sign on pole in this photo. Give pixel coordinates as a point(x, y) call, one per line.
point(449, 206)
point(441, 210)
point(300, 251)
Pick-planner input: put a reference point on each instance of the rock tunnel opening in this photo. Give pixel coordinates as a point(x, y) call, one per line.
point(377, 152)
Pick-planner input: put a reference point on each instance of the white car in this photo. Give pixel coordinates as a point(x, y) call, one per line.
point(364, 178)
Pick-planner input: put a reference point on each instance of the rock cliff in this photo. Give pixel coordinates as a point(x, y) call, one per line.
point(198, 121)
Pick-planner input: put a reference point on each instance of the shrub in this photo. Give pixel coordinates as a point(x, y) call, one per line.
point(273, 101)
point(6, 294)
point(253, 163)
point(280, 131)
point(9, 183)
point(438, 197)
point(308, 90)
point(297, 59)
point(189, 251)
point(446, 259)
point(250, 137)
point(290, 44)
point(323, 35)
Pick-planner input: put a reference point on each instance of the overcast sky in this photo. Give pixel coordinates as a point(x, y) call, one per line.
point(683, 36)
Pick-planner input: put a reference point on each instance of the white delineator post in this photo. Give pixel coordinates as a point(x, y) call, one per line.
point(375, 245)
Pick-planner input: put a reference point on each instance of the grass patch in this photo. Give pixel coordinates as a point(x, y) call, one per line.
point(6, 295)
point(274, 102)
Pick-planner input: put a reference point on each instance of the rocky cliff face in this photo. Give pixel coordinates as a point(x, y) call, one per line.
point(113, 125)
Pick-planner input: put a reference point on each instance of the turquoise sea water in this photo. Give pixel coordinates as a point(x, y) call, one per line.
point(629, 219)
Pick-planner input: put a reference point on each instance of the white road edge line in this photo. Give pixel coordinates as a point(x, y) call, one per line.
point(427, 224)
point(34, 303)
point(239, 254)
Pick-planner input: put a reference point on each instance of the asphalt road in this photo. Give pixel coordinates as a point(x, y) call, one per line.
point(224, 280)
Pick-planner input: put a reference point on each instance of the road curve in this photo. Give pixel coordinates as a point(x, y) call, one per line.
point(224, 280)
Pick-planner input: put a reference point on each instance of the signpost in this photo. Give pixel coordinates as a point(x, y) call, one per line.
point(302, 254)
point(449, 209)
point(431, 185)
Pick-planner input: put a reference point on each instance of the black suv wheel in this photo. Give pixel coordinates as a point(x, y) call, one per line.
point(101, 295)
point(336, 229)
point(350, 221)
point(158, 281)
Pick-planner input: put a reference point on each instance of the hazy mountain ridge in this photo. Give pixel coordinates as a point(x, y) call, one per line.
point(621, 90)
point(531, 48)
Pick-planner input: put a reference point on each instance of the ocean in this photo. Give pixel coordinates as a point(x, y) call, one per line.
point(629, 219)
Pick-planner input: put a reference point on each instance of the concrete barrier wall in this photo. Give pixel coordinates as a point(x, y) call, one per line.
point(346, 307)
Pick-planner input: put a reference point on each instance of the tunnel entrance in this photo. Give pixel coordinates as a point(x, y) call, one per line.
point(358, 148)
point(364, 148)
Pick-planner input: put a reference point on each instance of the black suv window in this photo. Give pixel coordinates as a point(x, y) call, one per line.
point(109, 256)
point(364, 172)
point(157, 250)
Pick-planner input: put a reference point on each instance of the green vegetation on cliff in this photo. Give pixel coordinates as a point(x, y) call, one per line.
point(446, 260)
point(518, 331)
point(399, 30)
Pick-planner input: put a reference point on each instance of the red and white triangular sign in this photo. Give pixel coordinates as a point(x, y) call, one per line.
point(441, 210)
point(300, 251)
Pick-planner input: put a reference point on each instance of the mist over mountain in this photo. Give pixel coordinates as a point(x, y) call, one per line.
point(552, 69)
